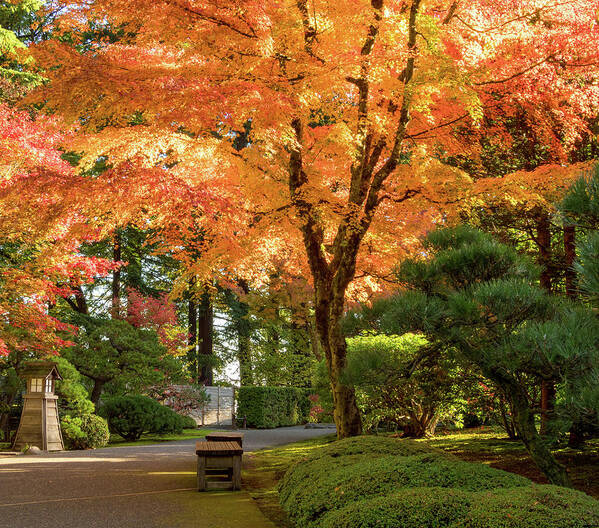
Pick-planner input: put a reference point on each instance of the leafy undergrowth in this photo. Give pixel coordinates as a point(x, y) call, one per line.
point(490, 446)
point(187, 434)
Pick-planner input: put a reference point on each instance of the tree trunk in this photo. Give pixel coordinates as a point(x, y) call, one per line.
point(116, 277)
point(576, 439)
point(205, 340)
point(570, 257)
point(242, 327)
point(192, 331)
point(97, 391)
point(547, 404)
point(524, 421)
point(422, 424)
point(329, 310)
point(544, 243)
point(508, 421)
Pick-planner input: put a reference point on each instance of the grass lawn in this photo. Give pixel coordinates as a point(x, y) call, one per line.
point(118, 441)
point(491, 446)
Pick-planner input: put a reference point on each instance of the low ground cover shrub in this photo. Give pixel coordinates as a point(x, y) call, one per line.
point(133, 416)
point(88, 431)
point(408, 508)
point(337, 482)
point(386, 482)
point(269, 407)
point(537, 506)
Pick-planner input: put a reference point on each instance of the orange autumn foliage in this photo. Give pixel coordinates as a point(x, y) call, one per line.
point(349, 106)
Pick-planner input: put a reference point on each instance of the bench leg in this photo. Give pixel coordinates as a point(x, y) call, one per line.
point(236, 472)
point(201, 473)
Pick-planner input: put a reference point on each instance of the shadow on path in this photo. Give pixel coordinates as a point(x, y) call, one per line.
point(124, 487)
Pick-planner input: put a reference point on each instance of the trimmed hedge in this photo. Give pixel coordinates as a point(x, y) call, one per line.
point(538, 506)
point(409, 508)
point(269, 407)
point(384, 482)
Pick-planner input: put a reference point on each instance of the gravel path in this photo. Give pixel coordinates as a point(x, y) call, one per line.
point(151, 486)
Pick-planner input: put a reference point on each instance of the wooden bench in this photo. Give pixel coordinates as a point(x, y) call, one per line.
point(226, 437)
point(220, 459)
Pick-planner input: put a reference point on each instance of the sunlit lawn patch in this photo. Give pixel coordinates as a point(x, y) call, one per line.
point(117, 441)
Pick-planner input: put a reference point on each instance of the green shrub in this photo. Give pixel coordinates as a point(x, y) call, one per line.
point(268, 407)
point(72, 435)
point(338, 481)
point(84, 432)
point(133, 416)
point(532, 507)
point(96, 429)
point(188, 422)
point(410, 508)
point(524, 507)
point(368, 482)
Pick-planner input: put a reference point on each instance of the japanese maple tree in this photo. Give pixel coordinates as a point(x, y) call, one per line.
point(346, 108)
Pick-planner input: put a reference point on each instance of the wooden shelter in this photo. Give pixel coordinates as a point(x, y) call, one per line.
point(39, 425)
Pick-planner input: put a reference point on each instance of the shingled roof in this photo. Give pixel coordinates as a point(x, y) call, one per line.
point(40, 369)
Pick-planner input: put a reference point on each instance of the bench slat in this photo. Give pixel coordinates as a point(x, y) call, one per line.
point(218, 448)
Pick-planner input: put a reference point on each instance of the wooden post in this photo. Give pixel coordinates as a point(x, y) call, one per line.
point(237, 472)
point(201, 473)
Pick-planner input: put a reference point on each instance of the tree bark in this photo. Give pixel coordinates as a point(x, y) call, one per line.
point(544, 243)
point(570, 257)
point(116, 277)
point(524, 420)
point(192, 331)
point(243, 330)
point(576, 439)
point(328, 321)
point(97, 391)
point(547, 404)
point(333, 270)
point(205, 340)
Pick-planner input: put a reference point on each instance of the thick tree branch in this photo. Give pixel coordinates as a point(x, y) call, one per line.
point(310, 32)
point(354, 227)
point(311, 229)
point(359, 176)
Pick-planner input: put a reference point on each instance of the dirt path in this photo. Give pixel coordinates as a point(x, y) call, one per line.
point(150, 486)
